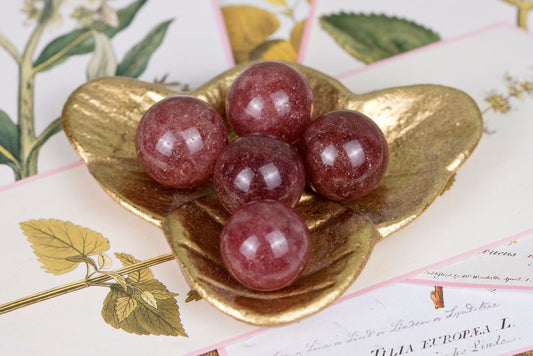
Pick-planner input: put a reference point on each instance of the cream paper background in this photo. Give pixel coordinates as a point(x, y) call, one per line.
point(487, 203)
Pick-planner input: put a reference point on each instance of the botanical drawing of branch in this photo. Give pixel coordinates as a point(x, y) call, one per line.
point(523, 7)
point(503, 102)
point(136, 303)
point(19, 142)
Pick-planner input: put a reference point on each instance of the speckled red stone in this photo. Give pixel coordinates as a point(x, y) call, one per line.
point(178, 141)
point(345, 155)
point(256, 167)
point(265, 245)
point(272, 98)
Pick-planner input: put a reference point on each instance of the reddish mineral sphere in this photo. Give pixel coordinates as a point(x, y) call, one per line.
point(256, 167)
point(272, 98)
point(178, 141)
point(265, 245)
point(345, 155)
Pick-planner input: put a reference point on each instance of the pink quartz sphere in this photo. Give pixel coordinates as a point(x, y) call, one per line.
point(345, 155)
point(265, 245)
point(256, 167)
point(272, 98)
point(178, 141)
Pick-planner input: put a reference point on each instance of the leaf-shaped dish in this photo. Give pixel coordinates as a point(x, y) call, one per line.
point(431, 131)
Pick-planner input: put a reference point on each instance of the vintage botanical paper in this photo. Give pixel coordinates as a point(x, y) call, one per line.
point(125, 291)
point(132, 273)
point(49, 48)
point(508, 265)
point(486, 199)
point(401, 320)
point(73, 196)
point(339, 41)
point(264, 29)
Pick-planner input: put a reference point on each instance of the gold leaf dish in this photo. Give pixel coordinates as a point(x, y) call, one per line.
point(431, 131)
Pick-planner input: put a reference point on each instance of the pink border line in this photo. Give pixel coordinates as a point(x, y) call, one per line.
point(223, 33)
point(429, 47)
point(220, 346)
point(404, 277)
point(40, 176)
point(514, 353)
point(305, 38)
point(307, 31)
point(473, 285)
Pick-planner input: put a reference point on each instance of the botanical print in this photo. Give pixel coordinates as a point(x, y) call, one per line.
point(523, 8)
point(136, 303)
point(502, 103)
point(98, 24)
point(370, 37)
point(373, 37)
point(516, 90)
point(254, 28)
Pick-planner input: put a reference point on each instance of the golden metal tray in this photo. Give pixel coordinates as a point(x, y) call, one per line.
point(431, 131)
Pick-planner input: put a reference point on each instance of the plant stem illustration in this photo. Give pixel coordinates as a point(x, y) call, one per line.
point(523, 7)
point(19, 142)
point(136, 302)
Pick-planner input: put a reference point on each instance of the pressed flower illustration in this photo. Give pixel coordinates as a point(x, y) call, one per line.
point(98, 24)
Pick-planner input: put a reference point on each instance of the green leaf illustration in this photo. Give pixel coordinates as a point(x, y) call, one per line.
point(277, 2)
point(81, 41)
point(247, 27)
point(124, 306)
point(53, 128)
point(371, 38)
point(104, 261)
point(135, 61)
point(81, 259)
point(274, 50)
point(193, 295)
point(9, 141)
point(142, 275)
point(49, 8)
point(103, 63)
point(118, 278)
point(162, 294)
point(149, 298)
point(61, 245)
point(140, 316)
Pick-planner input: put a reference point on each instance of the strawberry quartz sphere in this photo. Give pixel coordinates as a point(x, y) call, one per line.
point(178, 141)
point(256, 167)
point(265, 245)
point(345, 155)
point(272, 98)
